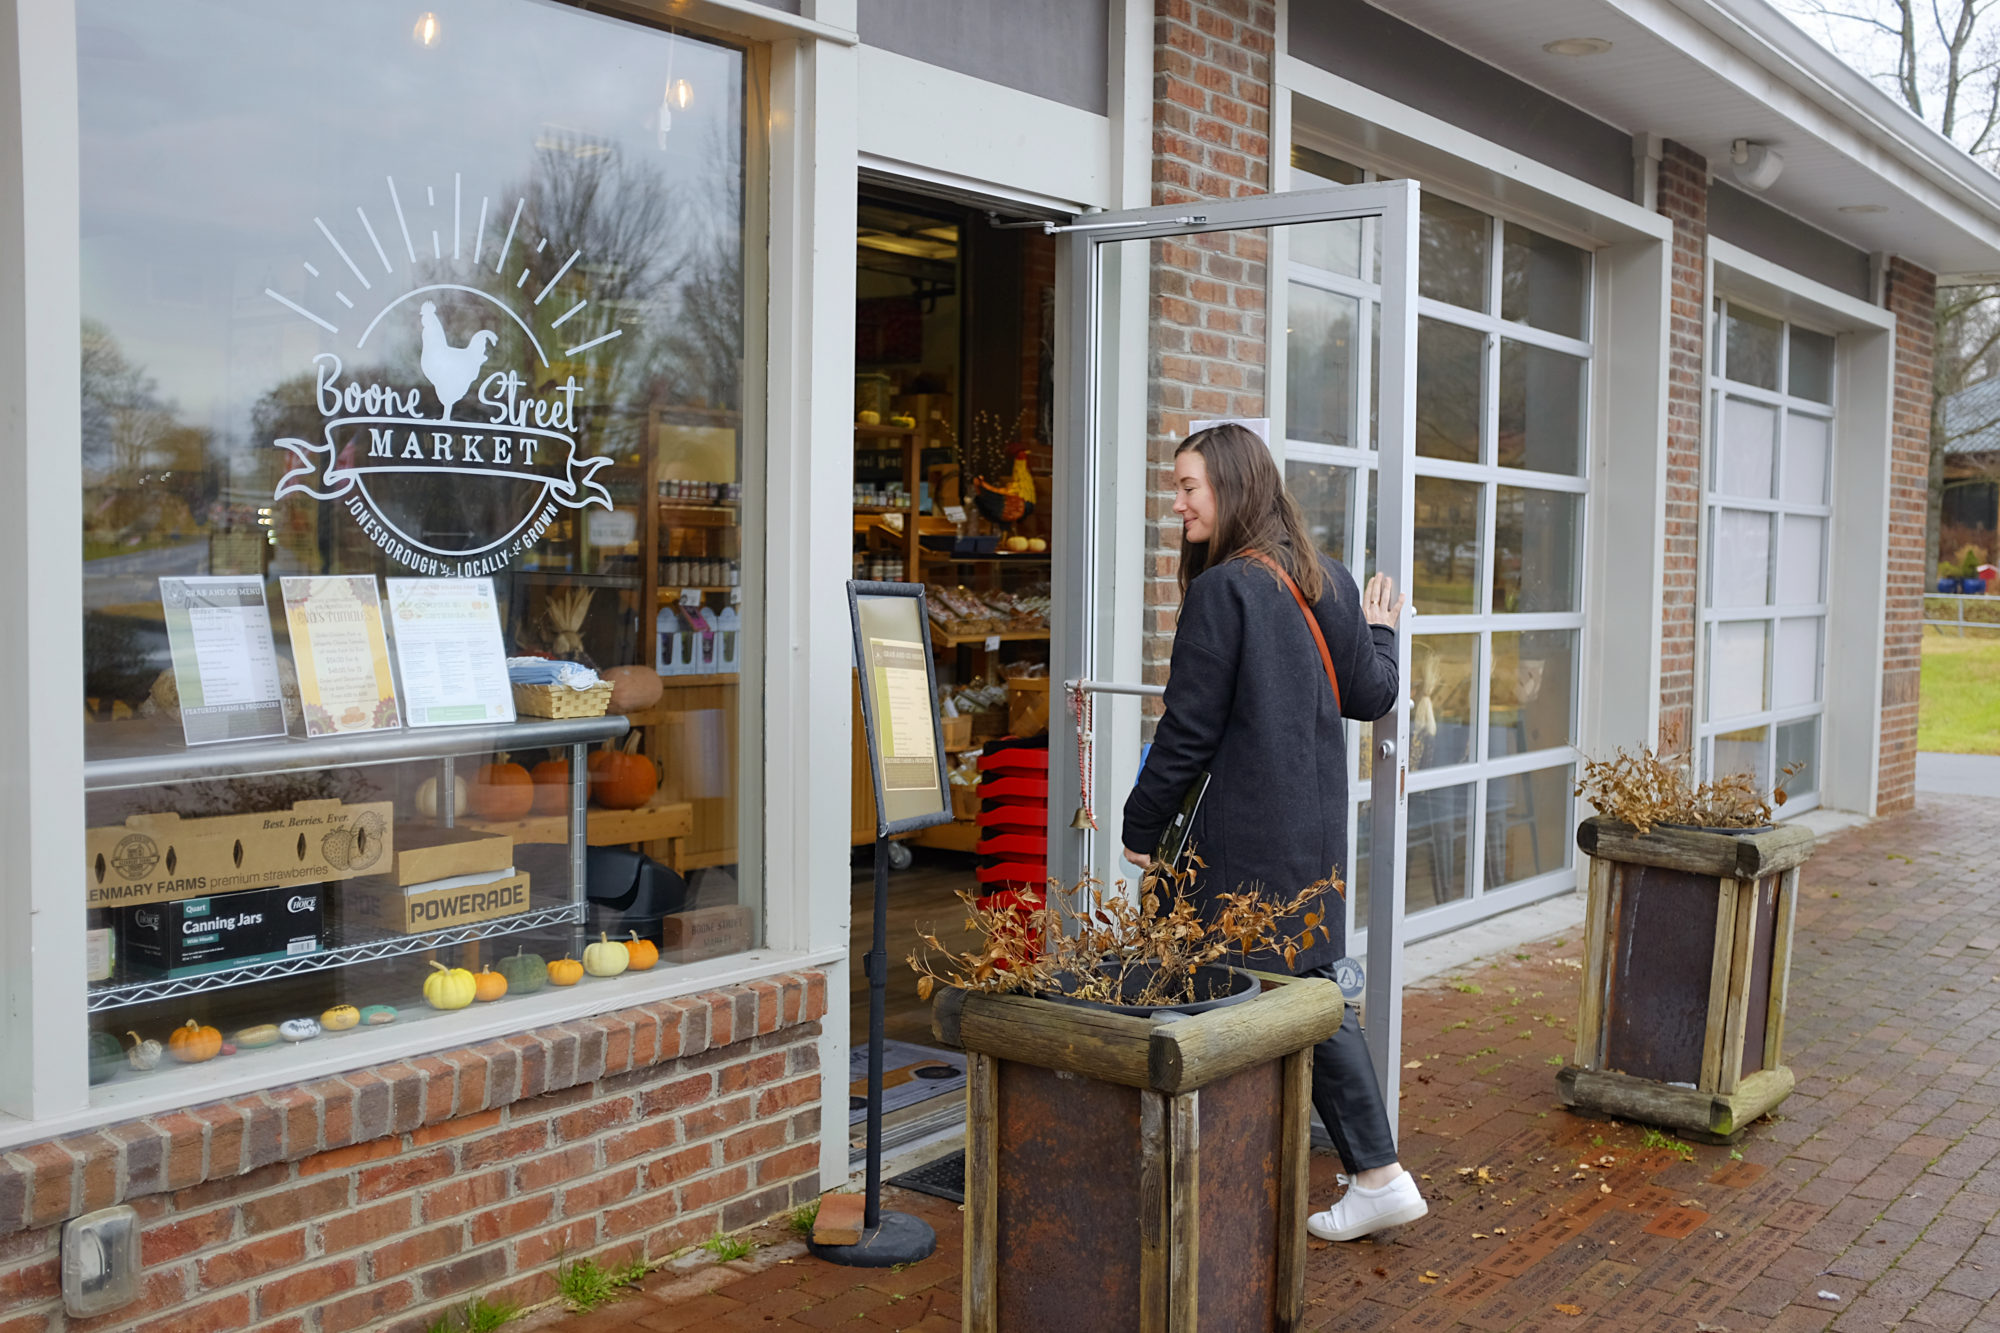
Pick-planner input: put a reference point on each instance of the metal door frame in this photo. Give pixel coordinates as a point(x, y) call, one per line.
point(1083, 456)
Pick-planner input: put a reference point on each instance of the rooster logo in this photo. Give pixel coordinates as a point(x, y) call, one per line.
point(451, 370)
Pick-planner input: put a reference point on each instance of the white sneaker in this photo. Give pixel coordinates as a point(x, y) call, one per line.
point(1363, 1212)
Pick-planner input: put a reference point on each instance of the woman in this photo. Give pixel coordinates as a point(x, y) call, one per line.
point(1249, 703)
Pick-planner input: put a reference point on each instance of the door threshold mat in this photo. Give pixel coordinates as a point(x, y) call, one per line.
point(941, 1177)
point(910, 1074)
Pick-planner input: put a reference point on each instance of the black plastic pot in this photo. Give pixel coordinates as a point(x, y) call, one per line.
point(1235, 987)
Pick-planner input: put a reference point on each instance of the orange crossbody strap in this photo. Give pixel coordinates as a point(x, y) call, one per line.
point(1312, 621)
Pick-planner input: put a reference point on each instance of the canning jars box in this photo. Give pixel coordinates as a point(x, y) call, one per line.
point(156, 858)
point(190, 936)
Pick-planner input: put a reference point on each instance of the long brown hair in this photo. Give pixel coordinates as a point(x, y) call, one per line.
point(1253, 510)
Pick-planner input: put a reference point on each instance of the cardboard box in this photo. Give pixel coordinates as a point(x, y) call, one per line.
point(462, 900)
point(159, 858)
point(957, 732)
point(190, 936)
point(424, 854)
point(1028, 705)
point(706, 932)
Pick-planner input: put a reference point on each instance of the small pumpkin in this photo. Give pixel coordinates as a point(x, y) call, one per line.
point(606, 958)
point(488, 985)
point(264, 1034)
point(299, 1029)
point(340, 1018)
point(427, 797)
point(565, 972)
point(634, 688)
point(107, 1056)
point(551, 779)
point(502, 790)
point(622, 779)
point(449, 987)
point(145, 1053)
point(525, 972)
point(192, 1043)
point(377, 1015)
point(643, 953)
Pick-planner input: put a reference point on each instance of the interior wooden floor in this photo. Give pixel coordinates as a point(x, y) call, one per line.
point(920, 898)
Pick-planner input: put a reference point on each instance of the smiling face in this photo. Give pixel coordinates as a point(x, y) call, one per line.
point(1194, 498)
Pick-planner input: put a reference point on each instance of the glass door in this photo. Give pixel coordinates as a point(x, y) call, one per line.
point(1189, 314)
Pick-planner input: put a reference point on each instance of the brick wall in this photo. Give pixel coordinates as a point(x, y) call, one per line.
point(1683, 197)
point(1211, 140)
point(383, 1198)
point(1911, 295)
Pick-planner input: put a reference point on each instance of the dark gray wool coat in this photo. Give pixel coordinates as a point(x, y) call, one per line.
point(1248, 701)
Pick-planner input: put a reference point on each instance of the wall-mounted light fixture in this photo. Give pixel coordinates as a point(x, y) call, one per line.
point(1577, 46)
point(1756, 166)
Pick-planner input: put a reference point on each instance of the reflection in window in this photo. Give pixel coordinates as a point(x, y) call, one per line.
point(1534, 550)
point(1811, 365)
point(1532, 692)
point(1744, 751)
point(1527, 825)
point(1454, 248)
point(1444, 580)
point(1325, 496)
point(1751, 347)
point(1543, 282)
point(1333, 246)
point(1321, 367)
point(1444, 676)
point(1541, 409)
point(1451, 369)
point(1798, 743)
point(1440, 828)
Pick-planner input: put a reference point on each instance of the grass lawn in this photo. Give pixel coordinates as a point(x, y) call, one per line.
point(1960, 711)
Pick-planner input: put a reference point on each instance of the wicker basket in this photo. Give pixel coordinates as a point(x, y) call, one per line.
point(562, 701)
point(964, 802)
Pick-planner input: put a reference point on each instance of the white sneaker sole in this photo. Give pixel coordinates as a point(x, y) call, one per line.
point(1400, 1217)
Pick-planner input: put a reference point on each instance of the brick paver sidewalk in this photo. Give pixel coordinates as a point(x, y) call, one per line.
point(1869, 1202)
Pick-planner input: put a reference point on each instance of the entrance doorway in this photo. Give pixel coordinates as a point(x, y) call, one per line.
point(953, 488)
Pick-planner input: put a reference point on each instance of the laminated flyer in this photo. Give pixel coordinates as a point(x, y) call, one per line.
point(448, 646)
point(225, 664)
point(342, 655)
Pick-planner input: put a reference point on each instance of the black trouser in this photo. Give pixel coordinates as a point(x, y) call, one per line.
point(1347, 1095)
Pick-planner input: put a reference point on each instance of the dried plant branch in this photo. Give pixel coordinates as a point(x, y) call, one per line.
point(1643, 790)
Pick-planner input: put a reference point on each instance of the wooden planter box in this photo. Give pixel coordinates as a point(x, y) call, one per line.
point(1687, 951)
point(1137, 1174)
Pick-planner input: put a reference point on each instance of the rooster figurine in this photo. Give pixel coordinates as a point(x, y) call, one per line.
point(451, 370)
point(1014, 501)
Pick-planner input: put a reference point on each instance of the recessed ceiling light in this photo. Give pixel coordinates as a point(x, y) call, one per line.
point(1864, 208)
point(1577, 46)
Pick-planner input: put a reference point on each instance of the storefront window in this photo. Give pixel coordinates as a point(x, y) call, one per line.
point(412, 341)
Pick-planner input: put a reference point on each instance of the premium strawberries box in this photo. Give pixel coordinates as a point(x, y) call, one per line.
point(156, 858)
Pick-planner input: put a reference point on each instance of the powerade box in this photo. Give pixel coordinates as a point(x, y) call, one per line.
point(194, 935)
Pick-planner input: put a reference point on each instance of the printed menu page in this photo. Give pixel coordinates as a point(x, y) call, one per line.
point(345, 681)
point(225, 664)
point(448, 645)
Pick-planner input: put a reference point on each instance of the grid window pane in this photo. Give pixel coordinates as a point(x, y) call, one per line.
point(1321, 366)
point(1357, 874)
point(1810, 370)
point(1333, 246)
point(1745, 448)
point(1798, 743)
point(1751, 344)
point(1745, 751)
point(1451, 372)
point(1444, 674)
point(1440, 827)
point(1801, 559)
point(1325, 495)
point(1532, 692)
point(1795, 674)
point(1541, 409)
point(1527, 825)
point(1445, 537)
point(1808, 444)
point(1739, 565)
point(1455, 252)
point(1543, 282)
point(1534, 550)
point(1736, 667)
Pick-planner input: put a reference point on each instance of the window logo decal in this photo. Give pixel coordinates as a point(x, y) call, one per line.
point(452, 428)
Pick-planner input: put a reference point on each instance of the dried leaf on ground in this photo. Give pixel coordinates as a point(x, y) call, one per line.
point(1569, 1309)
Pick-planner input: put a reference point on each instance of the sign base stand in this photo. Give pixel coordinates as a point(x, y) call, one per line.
point(897, 1239)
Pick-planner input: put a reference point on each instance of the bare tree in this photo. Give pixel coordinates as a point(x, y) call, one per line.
point(1942, 58)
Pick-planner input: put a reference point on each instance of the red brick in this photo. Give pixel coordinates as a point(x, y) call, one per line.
point(512, 1219)
point(505, 1145)
point(402, 1173)
point(295, 1204)
point(249, 1259)
point(366, 1308)
point(454, 1129)
point(306, 1287)
point(181, 1236)
point(342, 1159)
point(552, 1168)
point(362, 1226)
point(415, 1251)
point(462, 1194)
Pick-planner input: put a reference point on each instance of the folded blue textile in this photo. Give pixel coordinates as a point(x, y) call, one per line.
point(546, 671)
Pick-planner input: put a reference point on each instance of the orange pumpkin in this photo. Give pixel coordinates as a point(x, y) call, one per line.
point(644, 953)
point(192, 1043)
point(502, 791)
point(565, 972)
point(551, 778)
point(488, 985)
point(621, 779)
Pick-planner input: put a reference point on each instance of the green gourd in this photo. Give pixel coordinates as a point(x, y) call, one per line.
point(526, 973)
point(107, 1057)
